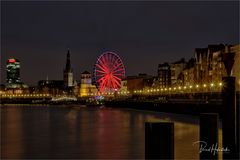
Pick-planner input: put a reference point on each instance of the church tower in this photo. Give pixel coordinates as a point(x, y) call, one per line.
point(68, 73)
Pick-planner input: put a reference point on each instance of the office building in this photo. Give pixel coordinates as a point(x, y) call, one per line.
point(13, 80)
point(13, 71)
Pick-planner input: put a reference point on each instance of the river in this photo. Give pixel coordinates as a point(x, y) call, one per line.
point(79, 132)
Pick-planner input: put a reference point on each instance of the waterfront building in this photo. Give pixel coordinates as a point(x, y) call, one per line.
point(68, 72)
point(123, 85)
point(164, 75)
point(189, 73)
point(204, 62)
point(139, 82)
point(217, 68)
point(176, 70)
point(53, 87)
point(67, 86)
point(86, 86)
point(210, 67)
point(2, 89)
point(236, 66)
point(75, 88)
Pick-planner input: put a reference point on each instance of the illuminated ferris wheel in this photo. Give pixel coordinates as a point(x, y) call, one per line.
point(108, 72)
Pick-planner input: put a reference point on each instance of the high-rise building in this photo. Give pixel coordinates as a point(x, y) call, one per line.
point(13, 81)
point(13, 71)
point(68, 73)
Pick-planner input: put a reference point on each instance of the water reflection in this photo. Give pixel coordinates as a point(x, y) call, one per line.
point(11, 133)
point(80, 132)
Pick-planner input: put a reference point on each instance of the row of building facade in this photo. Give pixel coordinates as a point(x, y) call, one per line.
point(207, 66)
point(67, 86)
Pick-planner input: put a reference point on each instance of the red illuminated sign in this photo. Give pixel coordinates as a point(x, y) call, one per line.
point(11, 60)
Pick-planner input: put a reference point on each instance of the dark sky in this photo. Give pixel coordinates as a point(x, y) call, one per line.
point(144, 34)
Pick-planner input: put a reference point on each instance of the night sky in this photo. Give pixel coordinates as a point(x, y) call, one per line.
point(144, 34)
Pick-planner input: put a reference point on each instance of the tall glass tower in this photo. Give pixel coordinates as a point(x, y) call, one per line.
point(13, 71)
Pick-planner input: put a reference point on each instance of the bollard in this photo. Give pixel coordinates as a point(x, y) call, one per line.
point(238, 124)
point(208, 134)
point(159, 140)
point(229, 121)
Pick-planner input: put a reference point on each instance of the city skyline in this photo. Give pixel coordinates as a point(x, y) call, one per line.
point(130, 29)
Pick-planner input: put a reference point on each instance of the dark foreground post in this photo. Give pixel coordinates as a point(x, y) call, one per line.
point(159, 140)
point(208, 135)
point(229, 120)
point(238, 123)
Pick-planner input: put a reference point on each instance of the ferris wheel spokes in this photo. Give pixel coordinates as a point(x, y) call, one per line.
point(109, 71)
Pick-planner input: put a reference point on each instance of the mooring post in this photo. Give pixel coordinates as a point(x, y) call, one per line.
point(208, 135)
point(159, 140)
point(238, 124)
point(229, 118)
